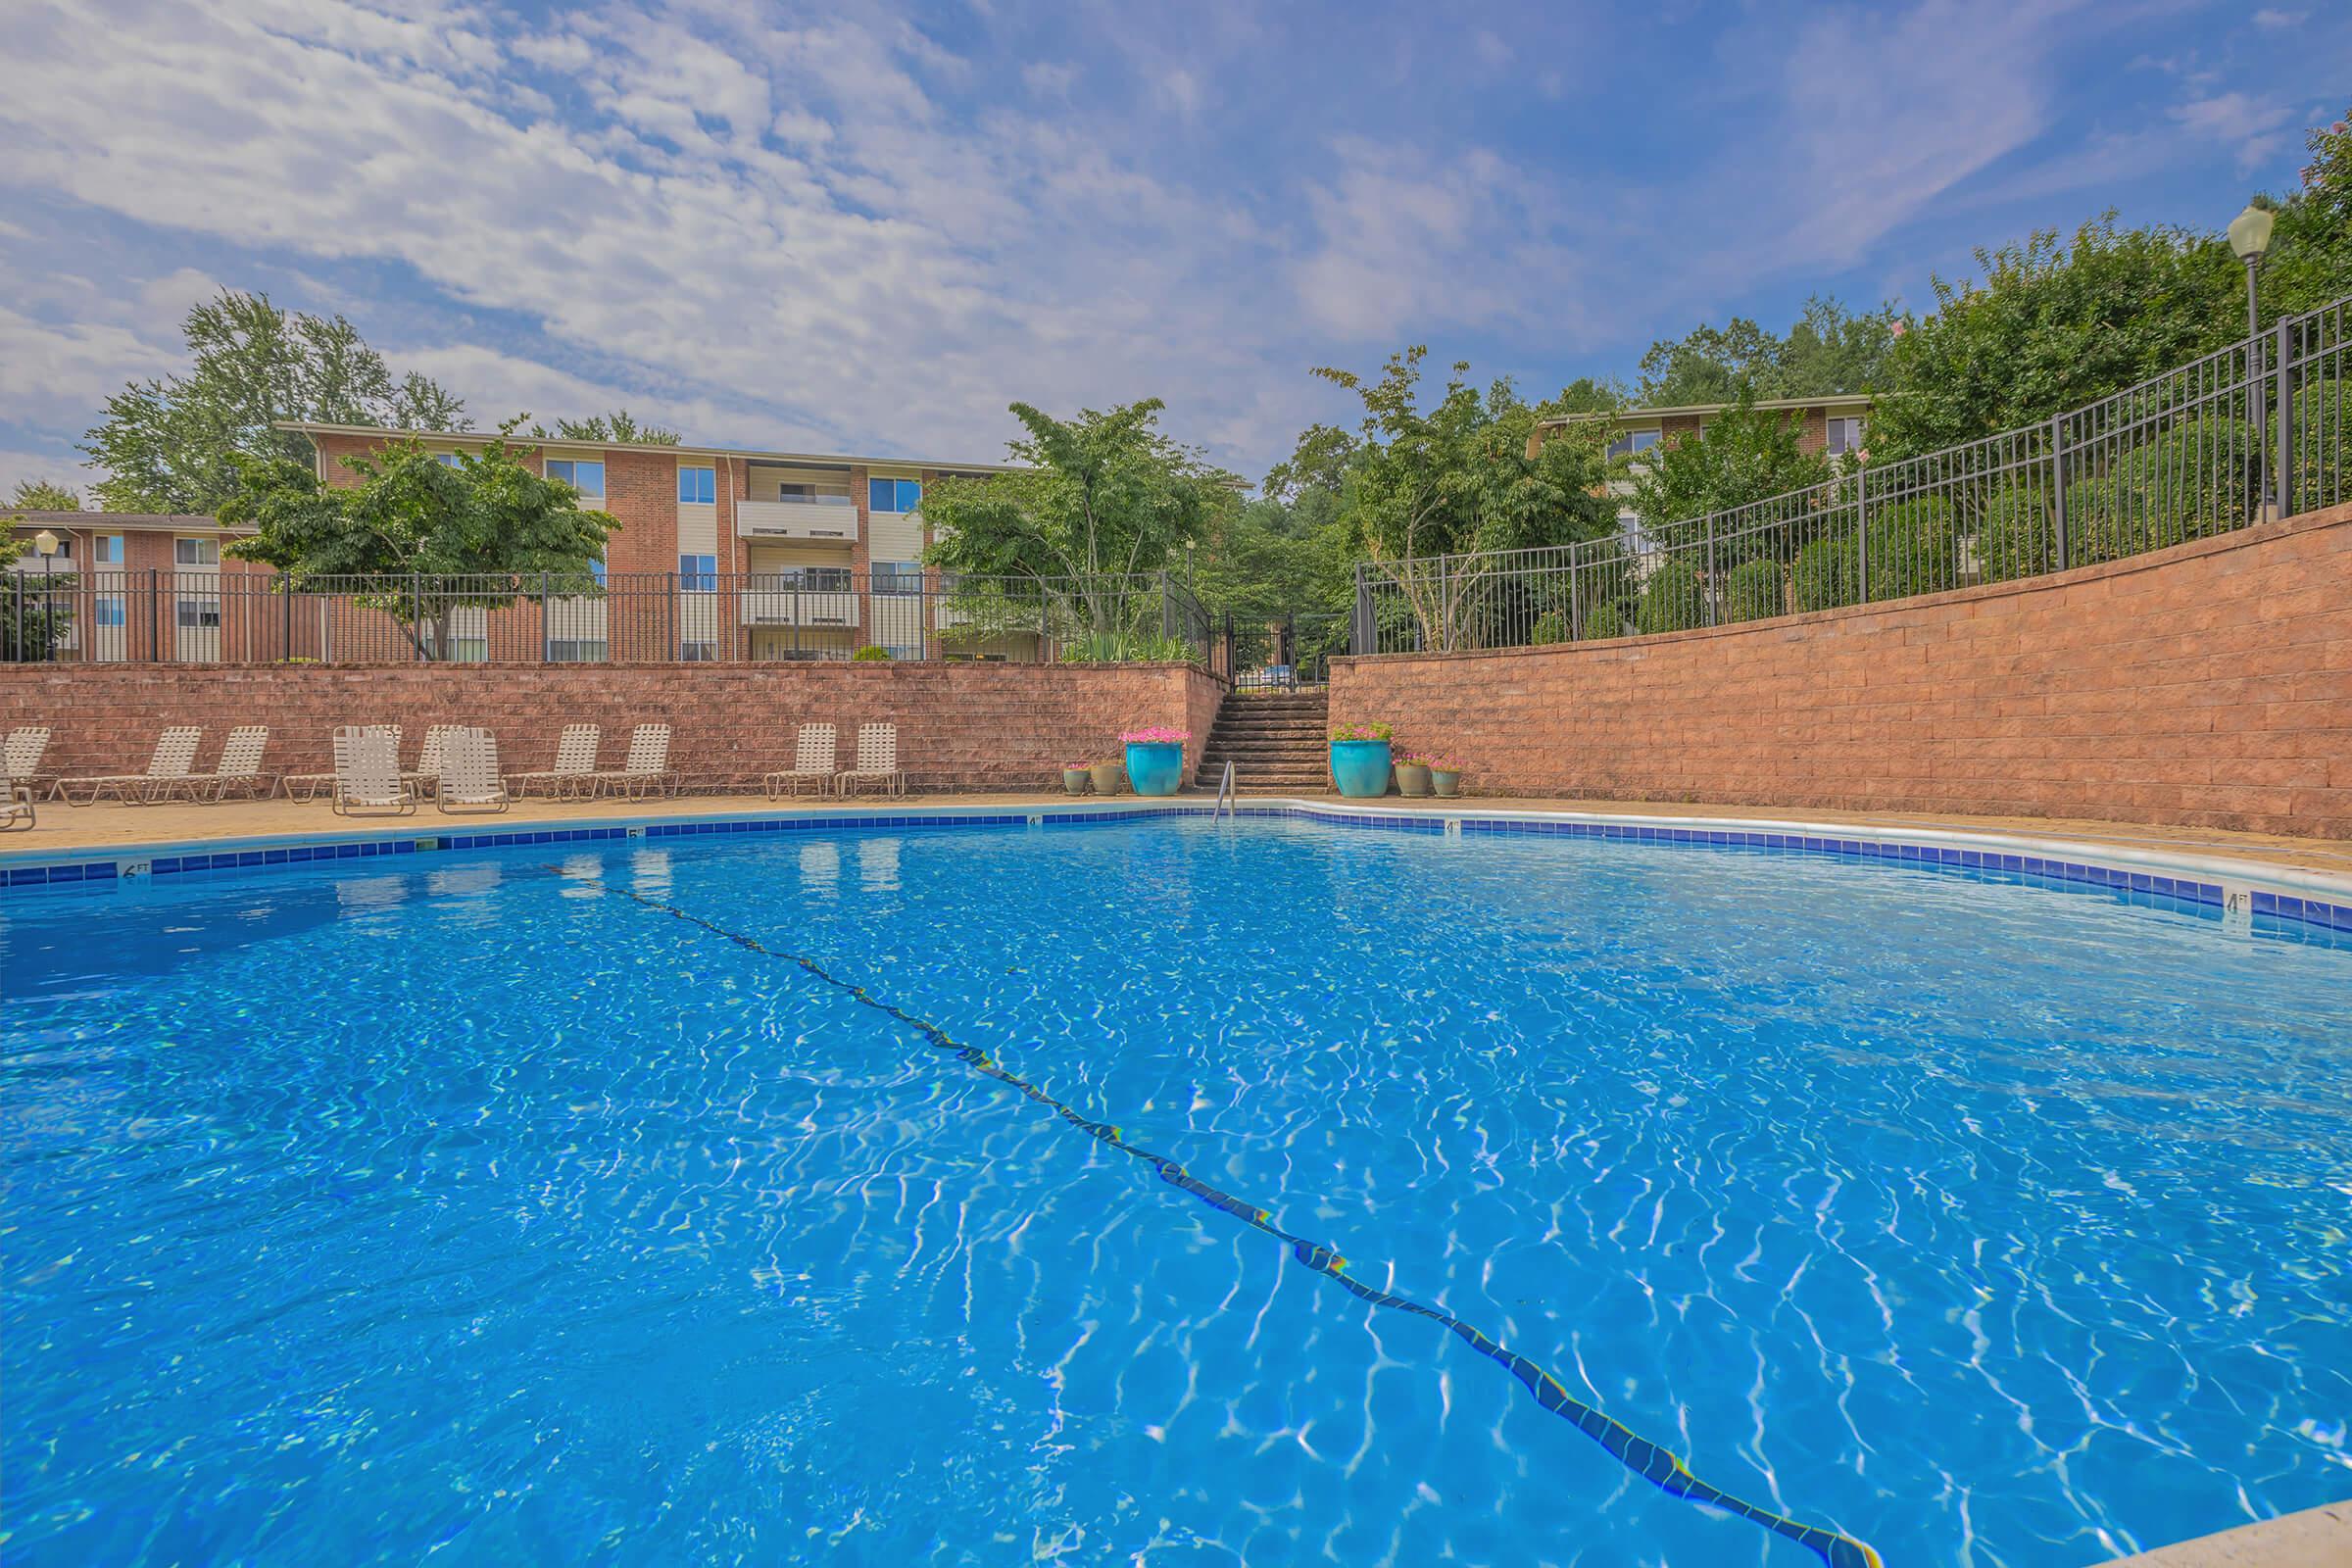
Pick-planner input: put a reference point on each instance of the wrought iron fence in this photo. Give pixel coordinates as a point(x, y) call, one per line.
point(2255, 431)
point(1283, 653)
point(805, 614)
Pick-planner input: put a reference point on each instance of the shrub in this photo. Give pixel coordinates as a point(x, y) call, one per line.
point(2197, 478)
point(2016, 536)
point(1824, 575)
point(1361, 733)
point(1671, 600)
point(1603, 622)
point(871, 654)
point(1913, 549)
point(1550, 627)
point(1752, 591)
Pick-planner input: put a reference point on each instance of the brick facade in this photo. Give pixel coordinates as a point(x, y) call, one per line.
point(960, 726)
point(2209, 685)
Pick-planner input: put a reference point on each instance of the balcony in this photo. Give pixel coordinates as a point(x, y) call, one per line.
point(807, 606)
point(825, 519)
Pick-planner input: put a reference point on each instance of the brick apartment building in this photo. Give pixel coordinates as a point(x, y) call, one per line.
point(1832, 424)
point(719, 554)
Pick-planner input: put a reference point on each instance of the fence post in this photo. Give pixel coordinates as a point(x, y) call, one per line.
point(1706, 594)
point(547, 634)
point(2285, 417)
point(416, 613)
point(1862, 535)
point(155, 641)
point(1359, 636)
point(2058, 485)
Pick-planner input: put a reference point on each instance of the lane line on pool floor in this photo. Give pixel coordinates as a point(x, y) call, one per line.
point(1646, 1460)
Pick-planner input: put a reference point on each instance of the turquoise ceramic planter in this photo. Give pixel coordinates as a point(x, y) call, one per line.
point(1360, 769)
point(1156, 767)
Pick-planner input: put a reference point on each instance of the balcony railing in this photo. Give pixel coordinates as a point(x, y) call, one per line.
point(823, 518)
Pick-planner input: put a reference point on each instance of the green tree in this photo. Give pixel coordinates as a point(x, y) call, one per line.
point(174, 443)
point(1463, 475)
point(44, 495)
point(1100, 498)
point(1829, 350)
point(488, 520)
point(35, 610)
point(2052, 327)
point(2310, 261)
point(1743, 455)
point(621, 425)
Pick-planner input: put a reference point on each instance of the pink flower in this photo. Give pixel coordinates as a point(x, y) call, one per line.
point(1154, 735)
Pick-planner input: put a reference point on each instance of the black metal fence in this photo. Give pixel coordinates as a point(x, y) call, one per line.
point(2253, 431)
point(807, 614)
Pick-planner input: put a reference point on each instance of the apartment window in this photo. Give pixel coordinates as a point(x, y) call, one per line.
point(1630, 442)
point(576, 651)
point(698, 653)
point(199, 615)
point(698, 487)
point(1846, 435)
point(893, 495)
point(108, 550)
point(898, 577)
point(809, 579)
point(588, 478)
point(814, 495)
point(196, 551)
point(447, 460)
point(596, 569)
point(698, 574)
point(107, 610)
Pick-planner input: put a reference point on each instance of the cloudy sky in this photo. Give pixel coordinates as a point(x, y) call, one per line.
point(868, 228)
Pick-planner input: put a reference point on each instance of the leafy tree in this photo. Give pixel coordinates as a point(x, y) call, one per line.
point(35, 610)
point(1752, 591)
point(2310, 261)
point(488, 519)
point(621, 425)
point(44, 495)
point(1101, 496)
point(1830, 350)
point(173, 443)
point(1743, 455)
point(2054, 327)
point(1456, 477)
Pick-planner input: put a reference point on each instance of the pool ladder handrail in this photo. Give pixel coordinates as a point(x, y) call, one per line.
point(1224, 791)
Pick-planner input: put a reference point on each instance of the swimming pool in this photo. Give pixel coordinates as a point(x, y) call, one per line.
point(781, 1198)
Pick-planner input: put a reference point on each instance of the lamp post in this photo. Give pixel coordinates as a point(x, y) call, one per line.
point(1187, 566)
point(2249, 237)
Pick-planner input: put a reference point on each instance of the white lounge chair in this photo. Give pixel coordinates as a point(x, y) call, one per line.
point(469, 776)
point(813, 753)
point(16, 806)
point(310, 786)
point(647, 768)
point(239, 767)
point(20, 756)
point(877, 760)
point(576, 762)
point(366, 777)
point(167, 773)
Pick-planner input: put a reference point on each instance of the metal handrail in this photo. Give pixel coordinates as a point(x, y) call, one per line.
point(1224, 791)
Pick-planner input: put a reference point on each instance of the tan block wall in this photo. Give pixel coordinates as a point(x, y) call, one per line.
point(2209, 685)
point(960, 726)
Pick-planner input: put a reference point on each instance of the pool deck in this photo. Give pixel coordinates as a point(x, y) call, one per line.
point(2316, 1537)
point(64, 829)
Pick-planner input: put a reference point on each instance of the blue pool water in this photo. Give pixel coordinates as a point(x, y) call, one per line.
point(544, 1204)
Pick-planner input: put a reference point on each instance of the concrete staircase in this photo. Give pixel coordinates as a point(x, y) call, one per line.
point(1278, 742)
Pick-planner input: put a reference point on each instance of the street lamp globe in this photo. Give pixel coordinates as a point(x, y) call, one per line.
point(2250, 232)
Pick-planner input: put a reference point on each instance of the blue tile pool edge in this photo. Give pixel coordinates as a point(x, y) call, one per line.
point(2300, 898)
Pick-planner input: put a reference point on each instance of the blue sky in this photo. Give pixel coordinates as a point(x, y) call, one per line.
point(867, 228)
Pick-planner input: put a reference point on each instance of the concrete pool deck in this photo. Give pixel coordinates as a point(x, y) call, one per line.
point(2315, 1538)
point(68, 830)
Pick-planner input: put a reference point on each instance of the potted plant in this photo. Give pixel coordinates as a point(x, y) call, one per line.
point(1155, 759)
point(1412, 774)
point(1106, 775)
point(1074, 777)
point(1446, 776)
point(1359, 760)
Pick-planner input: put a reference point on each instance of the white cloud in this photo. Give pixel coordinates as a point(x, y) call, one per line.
point(54, 467)
point(2274, 21)
point(2251, 127)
